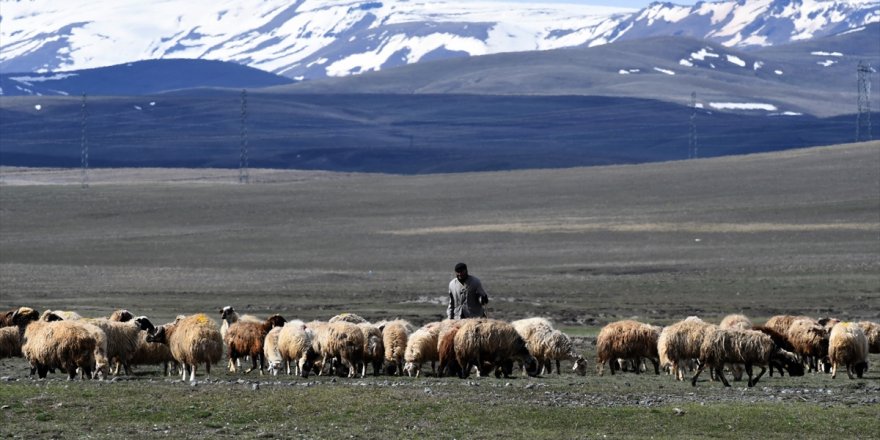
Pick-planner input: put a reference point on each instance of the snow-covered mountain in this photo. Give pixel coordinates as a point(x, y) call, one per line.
point(306, 39)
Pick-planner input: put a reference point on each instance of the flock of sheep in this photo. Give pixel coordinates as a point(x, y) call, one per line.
point(347, 344)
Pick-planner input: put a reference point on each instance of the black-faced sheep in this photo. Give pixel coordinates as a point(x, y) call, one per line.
point(121, 315)
point(490, 345)
point(395, 335)
point(6, 317)
point(295, 348)
point(848, 347)
point(193, 340)
point(123, 339)
point(872, 333)
point(245, 338)
point(748, 347)
point(627, 340)
point(678, 345)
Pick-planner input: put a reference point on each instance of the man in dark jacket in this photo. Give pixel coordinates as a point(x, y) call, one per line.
point(466, 295)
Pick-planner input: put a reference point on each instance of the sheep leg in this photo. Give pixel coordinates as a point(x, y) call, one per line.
point(719, 372)
point(558, 368)
point(656, 365)
point(755, 381)
point(697, 374)
point(849, 371)
point(637, 365)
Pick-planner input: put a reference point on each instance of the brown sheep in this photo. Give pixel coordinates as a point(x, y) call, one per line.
point(448, 365)
point(10, 342)
point(61, 344)
point(193, 340)
point(627, 340)
point(374, 347)
point(245, 338)
point(491, 345)
point(810, 341)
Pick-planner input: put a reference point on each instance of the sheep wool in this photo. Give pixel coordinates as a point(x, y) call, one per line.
point(490, 345)
point(420, 348)
point(395, 335)
point(872, 332)
point(295, 347)
point(193, 340)
point(627, 340)
point(848, 347)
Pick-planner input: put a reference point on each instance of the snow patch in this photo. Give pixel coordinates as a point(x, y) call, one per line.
point(742, 106)
point(778, 72)
point(685, 62)
point(826, 54)
point(736, 60)
point(703, 53)
point(666, 71)
point(826, 63)
point(758, 65)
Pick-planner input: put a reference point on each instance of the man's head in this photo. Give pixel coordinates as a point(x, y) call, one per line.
point(461, 272)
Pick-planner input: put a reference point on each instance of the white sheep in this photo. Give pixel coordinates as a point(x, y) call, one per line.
point(123, 339)
point(59, 344)
point(342, 341)
point(872, 333)
point(421, 347)
point(748, 347)
point(739, 322)
point(271, 352)
point(848, 346)
point(10, 342)
point(548, 344)
point(295, 348)
point(678, 345)
point(193, 340)
point(395, 335)
point(348, 317)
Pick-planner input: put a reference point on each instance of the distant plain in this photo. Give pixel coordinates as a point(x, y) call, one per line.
point(789, 232)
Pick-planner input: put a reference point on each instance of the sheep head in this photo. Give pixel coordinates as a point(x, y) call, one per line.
point(121, 315)
point(158, 335)
point(227, 312)
point(24, 316)
point(50, 316)
point(580, 366)
point(144, 324)
point(275, 321)
point(789, 361)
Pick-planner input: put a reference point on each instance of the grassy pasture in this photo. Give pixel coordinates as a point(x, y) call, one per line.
point(793, 232)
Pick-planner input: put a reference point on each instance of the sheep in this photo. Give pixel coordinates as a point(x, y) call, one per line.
point(123, 339)
point(810, 341)
point(21, 312)
point(628, 340)
point(245, 338)
point(148, 353)
point(448, 365)
point(295, 347)
point(65, 315)
point(343, 341)
point(121, 315)
point(848, 346)
point(271, 352)
point(229, 316)
point(193, 340)
point(374, 347)
point(736, 321)
point(872, 333)
point(739, 322)
point(780, 341)
point(748, 347)
point(489, 345)
point(10, 342)
point(348, 317)
point(61, 344)
point(421, 347)
point(678, 345)
point(395, 335)
point(547, 344)
point(781, 323)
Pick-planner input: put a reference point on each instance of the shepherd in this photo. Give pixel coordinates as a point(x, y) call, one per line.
point(466, 295)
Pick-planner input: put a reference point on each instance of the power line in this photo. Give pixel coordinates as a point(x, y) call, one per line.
point(84, 146)
point(863, 120)
point(692, 138)
point(243, 174)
